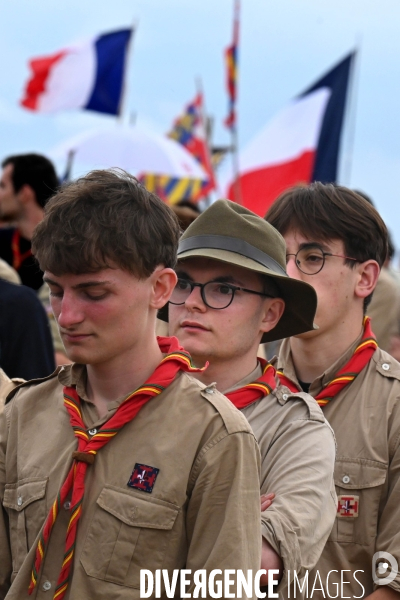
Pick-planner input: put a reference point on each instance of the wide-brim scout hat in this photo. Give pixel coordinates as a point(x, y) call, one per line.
point(233, 234)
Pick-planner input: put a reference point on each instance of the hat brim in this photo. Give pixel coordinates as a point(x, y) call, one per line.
point(300, 297)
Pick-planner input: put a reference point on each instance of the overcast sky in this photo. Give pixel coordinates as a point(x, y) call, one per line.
point(285, 45)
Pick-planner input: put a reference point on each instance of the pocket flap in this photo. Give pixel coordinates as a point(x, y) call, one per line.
point(358, 473)
point(138, 512)
point(18, 496)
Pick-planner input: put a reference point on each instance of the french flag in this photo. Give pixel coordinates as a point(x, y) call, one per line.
point(299, 145)
point(89, 75)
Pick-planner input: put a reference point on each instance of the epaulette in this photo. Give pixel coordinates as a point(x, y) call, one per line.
point(30, 382)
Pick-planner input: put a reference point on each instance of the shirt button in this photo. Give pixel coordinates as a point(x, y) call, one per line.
point(19, 500)
point(67, 505)
point(385, 367)
point(209, 390)
point(346, 479)
point(46, 586)
point(92, 431)
point(285, 396)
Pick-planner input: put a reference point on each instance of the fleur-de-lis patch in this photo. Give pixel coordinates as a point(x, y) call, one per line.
point(143, 478)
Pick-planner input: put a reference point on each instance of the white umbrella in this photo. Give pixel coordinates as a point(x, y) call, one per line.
point(134, 149)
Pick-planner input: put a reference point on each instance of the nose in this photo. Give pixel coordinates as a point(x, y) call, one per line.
point(292, 269)
point(67, 311)
point(194, 301)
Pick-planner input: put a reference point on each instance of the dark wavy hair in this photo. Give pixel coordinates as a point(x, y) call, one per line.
point(106, 219)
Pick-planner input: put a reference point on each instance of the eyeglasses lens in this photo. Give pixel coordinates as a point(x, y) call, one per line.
point(310, 260)
point(215, 294)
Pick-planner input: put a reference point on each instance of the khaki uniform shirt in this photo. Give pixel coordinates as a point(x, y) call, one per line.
point(365, 417)
point(297, 463)
point(208, 480)
point(6, 385)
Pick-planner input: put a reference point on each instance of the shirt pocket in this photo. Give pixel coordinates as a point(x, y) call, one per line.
point(127, 533)
point(26, 506)
point(359, 484)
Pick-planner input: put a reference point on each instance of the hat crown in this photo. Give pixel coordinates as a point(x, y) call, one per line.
point(228, 219)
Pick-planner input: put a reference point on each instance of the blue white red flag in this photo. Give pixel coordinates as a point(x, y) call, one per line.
point(299, 145)
point(88, 75)
point(231, 59)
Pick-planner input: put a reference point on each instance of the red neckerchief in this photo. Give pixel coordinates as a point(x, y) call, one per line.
point(360, 358)
point(18, 258)
point(176, 360)
point(263, 386)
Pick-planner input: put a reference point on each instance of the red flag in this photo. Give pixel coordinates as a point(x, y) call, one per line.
point(300, 143)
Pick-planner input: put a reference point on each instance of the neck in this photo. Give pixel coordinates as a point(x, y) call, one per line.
point(31, 217)
point(106, 382)
point(313, 355)
point(226, 374)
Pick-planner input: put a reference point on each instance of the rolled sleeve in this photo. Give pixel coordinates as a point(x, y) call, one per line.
point(299, 470)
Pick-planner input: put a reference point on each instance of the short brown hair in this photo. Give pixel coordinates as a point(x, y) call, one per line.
point(103, 219)
point(325, 212)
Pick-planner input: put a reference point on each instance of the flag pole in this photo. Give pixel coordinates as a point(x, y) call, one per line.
point(232, 121)
point(352, 114)
point(124, 95)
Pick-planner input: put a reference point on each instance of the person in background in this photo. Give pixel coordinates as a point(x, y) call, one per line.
point(26, 348)
point(27, 181)
point(233, 292)
point(337, 242)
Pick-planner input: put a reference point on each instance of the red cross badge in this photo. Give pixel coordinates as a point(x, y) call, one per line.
point(348, 506)
point(143, 478)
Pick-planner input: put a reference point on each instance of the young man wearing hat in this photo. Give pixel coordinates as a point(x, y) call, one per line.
point(232, 293)
point(121, 461)
point(337, 242)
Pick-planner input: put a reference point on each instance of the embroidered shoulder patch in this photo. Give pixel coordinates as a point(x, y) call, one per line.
point(143, 478)
point(348, 506)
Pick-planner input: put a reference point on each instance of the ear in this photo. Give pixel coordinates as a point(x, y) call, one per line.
point(368, 274)
point(164, 281)
point(26, 194)
point(274, 308)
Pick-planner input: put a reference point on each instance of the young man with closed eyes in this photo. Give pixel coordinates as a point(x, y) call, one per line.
point(121, 461)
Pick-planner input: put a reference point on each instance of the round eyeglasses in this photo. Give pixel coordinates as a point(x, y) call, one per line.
point(311, 259)
point(214, 294)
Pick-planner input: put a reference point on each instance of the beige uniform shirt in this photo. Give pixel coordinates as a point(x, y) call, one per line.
point(365, 417)
point(297, 463)
point(6, 385)
point(203, 511)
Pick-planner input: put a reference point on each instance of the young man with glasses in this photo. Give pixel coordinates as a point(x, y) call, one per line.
point(337, 242)
point(233, 292)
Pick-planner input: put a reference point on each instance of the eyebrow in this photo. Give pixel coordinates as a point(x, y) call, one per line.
point(78, 286)
point(323, 247)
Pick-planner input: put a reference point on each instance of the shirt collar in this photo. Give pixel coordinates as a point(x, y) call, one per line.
point(255, 374)
point(285, 364)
